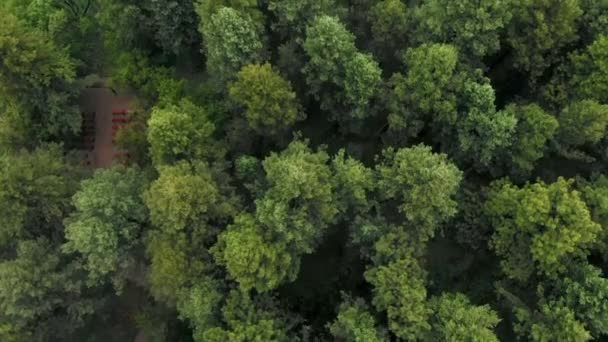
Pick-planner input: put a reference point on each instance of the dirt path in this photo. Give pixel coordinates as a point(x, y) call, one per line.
point(103, 101)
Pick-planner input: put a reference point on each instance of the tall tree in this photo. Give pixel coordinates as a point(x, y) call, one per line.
point(534, 129)
point(539, 227)
point(588, 77)
point(427, 92)
point(181, 131)
point(108, 222)
point(582, 122)
point(399, 288)
point(35, 192)
point(269, 102)
point(168, 26)
point(456, 319)
point(355, 323)
point(334, 62)
point(550, 25)
point(231, 40)
point(42, 295)
point(421, 184)
point(37, 79)
point(390, 24)
point(472, 26)
point(291, 217)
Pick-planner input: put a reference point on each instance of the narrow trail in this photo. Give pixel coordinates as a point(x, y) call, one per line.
point(102, 102)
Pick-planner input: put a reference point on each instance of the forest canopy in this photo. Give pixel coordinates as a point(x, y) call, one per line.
point(303, 170)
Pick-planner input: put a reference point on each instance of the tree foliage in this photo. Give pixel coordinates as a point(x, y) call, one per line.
point(539, 227)
point(37, 78)
point(108, 222)
point(270, 103)
point(456, 319)
point(181, 131)
point(335, 62)
point(231, 40)
point(472, 26)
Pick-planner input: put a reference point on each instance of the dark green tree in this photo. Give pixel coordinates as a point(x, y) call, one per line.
point(37, 84)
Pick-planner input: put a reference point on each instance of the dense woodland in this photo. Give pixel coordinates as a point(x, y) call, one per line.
point(307, 170)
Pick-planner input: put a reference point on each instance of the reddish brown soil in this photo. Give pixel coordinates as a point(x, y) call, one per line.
point(103, 101)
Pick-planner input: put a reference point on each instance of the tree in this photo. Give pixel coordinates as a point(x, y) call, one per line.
point(35, 194)
point(585, 292)
point(177, 262)
point(472, 26)
point(362, 78)
point(182, 131)
point(107, 224)
point(456, 319)
point(588, 74)
point(539, 227)
point(390, 24)
point(232, 40)
point(251, 260)
point(185, 197)
point(558, 323)
point(354, 323)
point(270, 104)
point(399, 288)
point(201, 305)
point(422, 185)
point(594, 21)
point(582, 122)
point(188, 203)
point(293, 16)
point(354, 184)
point(247, 320)
point(68, 24)
point(428, 90)
point(41, 295)
point(483, 133)
point(335, 62)
point(207, 8)
point(534, 129)
point(37, 79)
point(165, 25)
point(300, 202)
point(291, 217)
point(552, 26)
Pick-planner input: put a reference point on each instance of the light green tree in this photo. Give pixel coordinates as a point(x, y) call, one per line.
point(534, 129)
point(333, 61)
point(269, 102)
point(399, 289)
point(252, 260)
point(422, 185)
point(37, 80)
point(588, 78)
point(186, 197)
point(539, 227)
point(182, 131)
point(455, 318)
point(427, 92)
point(355, 324)
point(107, 224)
point(582, 122)
point(472, 26)
point(232, 40)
